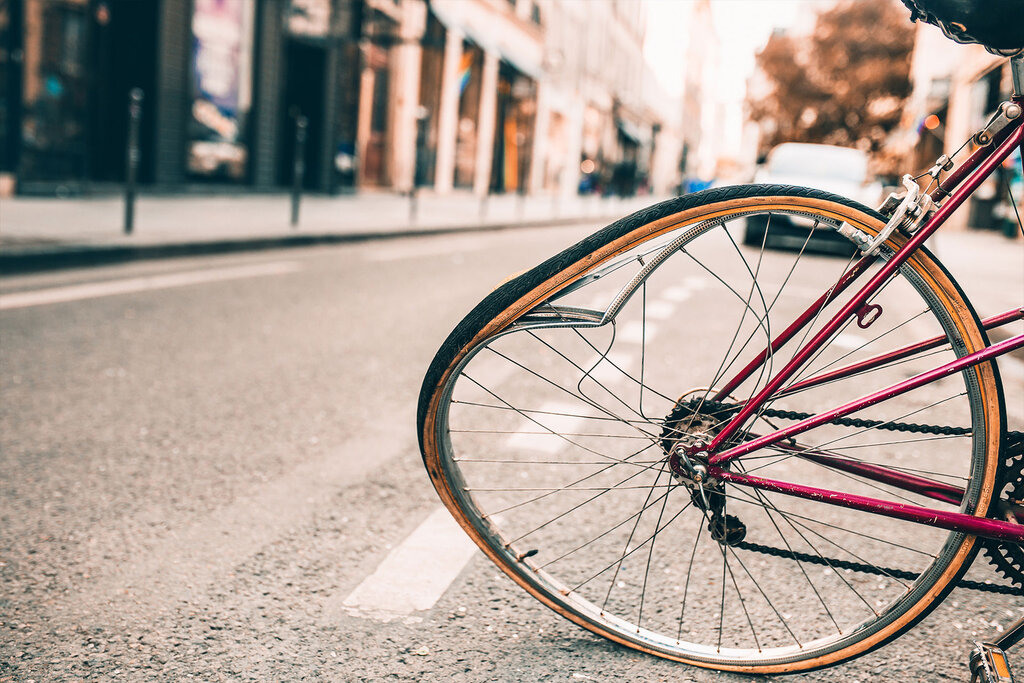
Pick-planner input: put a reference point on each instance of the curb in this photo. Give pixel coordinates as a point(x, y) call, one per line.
point(21, 260)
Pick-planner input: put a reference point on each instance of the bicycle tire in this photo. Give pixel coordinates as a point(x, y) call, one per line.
point(524, 306)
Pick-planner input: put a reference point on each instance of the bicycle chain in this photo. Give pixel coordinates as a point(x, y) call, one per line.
point(719, 408)
point(1007, 557)
point(868, 568)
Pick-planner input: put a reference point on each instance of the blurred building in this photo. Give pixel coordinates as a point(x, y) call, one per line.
point(223, 81)
point(597, 75)
point(702, 117)
point(955, 90)
point(476, 95)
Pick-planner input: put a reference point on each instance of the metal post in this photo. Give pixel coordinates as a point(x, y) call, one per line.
point(131, 157)
point(419, 170)
point(299, 169)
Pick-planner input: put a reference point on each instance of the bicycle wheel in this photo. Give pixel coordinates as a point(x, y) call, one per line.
point(547, 418)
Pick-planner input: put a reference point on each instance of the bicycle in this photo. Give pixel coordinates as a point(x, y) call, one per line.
point(776, 486)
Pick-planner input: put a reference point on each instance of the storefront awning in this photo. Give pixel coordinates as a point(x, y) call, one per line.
point(480, 27)
point(630, 131)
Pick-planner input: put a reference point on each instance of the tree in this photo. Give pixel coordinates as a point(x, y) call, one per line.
point(843, 85)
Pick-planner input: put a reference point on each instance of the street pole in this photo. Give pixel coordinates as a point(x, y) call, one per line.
point(131, 157)
point(419, 168)
point(299, 166)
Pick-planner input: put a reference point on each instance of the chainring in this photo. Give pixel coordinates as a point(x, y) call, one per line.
point(1008, 557)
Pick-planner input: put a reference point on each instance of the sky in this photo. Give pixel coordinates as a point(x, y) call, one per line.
point(743, 27)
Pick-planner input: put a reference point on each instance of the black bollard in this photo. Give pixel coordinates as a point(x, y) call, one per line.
point(131, 157)
point(300, 166)
point(419, 169)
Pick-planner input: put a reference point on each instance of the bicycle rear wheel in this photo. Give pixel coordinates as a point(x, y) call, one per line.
point(547, 417)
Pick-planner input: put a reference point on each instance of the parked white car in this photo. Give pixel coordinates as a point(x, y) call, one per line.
point(840, 170)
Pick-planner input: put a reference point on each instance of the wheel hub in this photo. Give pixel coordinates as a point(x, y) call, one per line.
point(687, 433)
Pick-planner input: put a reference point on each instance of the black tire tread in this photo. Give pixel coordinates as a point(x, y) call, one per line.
point(508, 293)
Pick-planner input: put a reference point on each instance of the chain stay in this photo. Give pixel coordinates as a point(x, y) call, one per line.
point(836, 563)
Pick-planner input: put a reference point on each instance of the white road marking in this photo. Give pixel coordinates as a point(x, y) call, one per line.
point(610, 372)
point(492, 372)
point(696, 282)
point(416, 573)
point(659, 310)
point(191, 559)
point(849, 341)
point(677, 293)
point(536, 437)
point(633, 332)
point(92, 290)
point(445, 247)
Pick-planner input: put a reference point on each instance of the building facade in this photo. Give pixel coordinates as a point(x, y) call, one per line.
point(224, 83)
point(487, 96)
point(955, 90)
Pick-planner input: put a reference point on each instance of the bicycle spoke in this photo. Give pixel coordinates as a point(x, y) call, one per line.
point(556, 432)
point(625, 547)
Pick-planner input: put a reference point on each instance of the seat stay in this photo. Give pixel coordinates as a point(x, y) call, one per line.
point(986, 167)
point(898, 354)
point(930, 488)
point(868, 400)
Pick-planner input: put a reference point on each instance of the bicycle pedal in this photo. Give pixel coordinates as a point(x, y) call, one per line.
point(989, 664)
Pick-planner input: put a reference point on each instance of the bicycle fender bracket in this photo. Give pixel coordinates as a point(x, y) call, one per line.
point(868, 314)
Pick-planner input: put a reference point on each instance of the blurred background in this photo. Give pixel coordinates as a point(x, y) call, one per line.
point(553, 98)
point(207, 405)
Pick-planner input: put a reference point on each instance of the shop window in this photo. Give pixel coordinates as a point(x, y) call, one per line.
point(221, 65)
point(513, 139)
point(430, 101)
point(470, 77)
point(55, 105)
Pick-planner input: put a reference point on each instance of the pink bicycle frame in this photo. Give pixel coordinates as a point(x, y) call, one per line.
point(965, 180)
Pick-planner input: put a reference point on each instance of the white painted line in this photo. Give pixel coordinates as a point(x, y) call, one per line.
point(416, 573)
point(849, 341)
point(92, 290)
point(677, 293)
point(660, 310)
point(598, 303)
point(491, 372)
point(610, 372)
point(534, 437)
point(449, 247)
point(192, 558)
point(697, 282)
point(633, 332)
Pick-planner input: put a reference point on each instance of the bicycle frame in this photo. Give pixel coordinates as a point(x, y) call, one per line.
point(960, 184)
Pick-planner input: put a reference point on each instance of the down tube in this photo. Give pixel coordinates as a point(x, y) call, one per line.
point(857, 300)
point(870, 399)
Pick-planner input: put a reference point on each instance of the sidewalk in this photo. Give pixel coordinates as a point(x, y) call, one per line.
point(47, 233)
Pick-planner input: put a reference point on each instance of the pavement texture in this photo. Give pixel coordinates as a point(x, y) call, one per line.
point(45, 233)
point(193, 479)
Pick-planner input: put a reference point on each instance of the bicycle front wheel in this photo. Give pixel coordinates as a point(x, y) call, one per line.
point(548, 417)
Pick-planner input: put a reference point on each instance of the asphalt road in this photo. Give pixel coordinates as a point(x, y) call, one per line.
point(200, 462)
